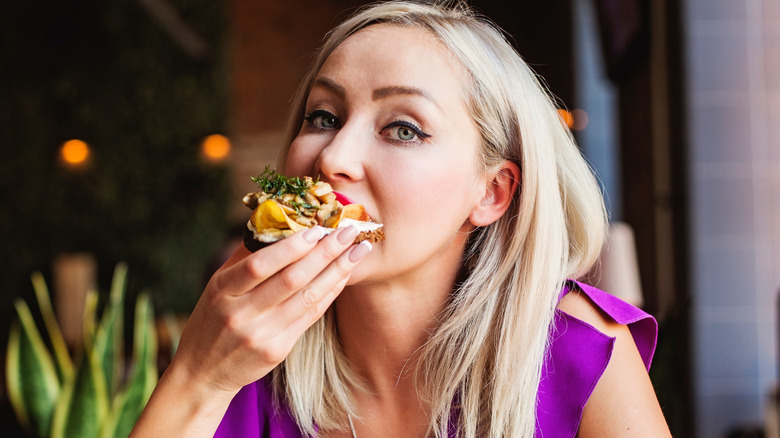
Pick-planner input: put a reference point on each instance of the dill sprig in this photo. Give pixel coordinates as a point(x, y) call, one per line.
point(277, 185)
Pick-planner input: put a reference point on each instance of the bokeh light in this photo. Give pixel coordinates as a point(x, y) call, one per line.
point(566, 117)
point(215, 147)
point(576, 120)
point(74, 152)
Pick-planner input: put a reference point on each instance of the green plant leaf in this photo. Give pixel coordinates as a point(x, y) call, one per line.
point(33, 385)
point(145, 337)
point(109, 344)
point(83, 406)
point(129, 403)
point(61, 354)
point(88, 324)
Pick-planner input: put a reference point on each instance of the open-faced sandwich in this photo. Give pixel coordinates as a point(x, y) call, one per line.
point(284, 205)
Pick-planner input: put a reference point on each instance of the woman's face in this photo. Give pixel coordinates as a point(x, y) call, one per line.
point(386, 124)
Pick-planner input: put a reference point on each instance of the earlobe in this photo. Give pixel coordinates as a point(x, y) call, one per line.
point(499, 192)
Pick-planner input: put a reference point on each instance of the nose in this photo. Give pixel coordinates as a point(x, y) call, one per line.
point(343, 158)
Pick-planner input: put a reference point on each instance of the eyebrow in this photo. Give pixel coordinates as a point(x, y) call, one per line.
point(379, 93)
point(330, 84)
point(384, 92)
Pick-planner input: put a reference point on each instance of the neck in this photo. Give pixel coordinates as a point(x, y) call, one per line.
point(382, 329)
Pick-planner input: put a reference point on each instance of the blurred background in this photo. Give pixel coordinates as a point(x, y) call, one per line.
point(129, 130)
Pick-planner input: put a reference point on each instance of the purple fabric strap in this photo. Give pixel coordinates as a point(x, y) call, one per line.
point(577, 358)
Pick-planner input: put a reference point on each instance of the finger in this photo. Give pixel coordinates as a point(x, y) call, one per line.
point(297, 327)
point(298, 275)
point(245, 274)
point(302, 309)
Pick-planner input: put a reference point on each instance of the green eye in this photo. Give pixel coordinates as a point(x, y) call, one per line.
point(328, 121)
point(405, 133)
point(322, 119)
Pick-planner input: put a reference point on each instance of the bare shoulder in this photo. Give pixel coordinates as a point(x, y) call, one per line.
point(623, 403)
point(578, 305)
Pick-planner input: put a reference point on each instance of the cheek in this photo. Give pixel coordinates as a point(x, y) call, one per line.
point(430, 192)
point(300, 158)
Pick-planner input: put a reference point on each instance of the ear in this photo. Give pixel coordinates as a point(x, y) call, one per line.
point(501, 185)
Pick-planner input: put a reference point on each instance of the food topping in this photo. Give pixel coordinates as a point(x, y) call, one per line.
point(285, 205)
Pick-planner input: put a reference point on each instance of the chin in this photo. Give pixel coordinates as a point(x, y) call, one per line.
point(363, 273)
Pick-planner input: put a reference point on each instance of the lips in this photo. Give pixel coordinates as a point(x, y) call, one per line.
point(344, 199)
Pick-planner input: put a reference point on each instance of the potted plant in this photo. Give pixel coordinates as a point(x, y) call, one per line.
point(96, 395)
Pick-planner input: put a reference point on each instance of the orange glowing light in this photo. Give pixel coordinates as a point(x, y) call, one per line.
point(74, 152)
point(216, 147)
point(566, 117)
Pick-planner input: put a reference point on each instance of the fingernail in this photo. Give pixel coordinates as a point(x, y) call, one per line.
point(313, 234)
point(347, 235)
point(360, 251)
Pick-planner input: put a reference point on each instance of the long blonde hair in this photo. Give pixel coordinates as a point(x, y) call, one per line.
point(503, 310)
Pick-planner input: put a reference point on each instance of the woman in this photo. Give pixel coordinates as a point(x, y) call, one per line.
point(452, 326)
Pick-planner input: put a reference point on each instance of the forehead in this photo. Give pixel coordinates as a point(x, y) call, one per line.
point(390, 55)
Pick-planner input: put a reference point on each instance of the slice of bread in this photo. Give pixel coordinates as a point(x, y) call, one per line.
point(253, 243)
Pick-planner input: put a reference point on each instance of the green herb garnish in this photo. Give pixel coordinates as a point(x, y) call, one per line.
point(277, 185)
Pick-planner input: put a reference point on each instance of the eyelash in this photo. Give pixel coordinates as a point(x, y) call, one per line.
point(309, 118)
point(421, 135)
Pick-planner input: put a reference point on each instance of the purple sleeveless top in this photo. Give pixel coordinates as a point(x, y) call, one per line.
point(577, 358)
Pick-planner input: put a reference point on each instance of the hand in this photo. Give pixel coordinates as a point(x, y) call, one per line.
point(247, 320)
point(256, 307)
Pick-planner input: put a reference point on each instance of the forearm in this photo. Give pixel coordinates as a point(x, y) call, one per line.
point(180, 406)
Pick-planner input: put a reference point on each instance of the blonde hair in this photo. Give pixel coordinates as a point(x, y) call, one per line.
point(503, 310)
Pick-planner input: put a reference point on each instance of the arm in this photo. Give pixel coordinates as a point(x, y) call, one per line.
point(249, 317)
point(623, 404)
